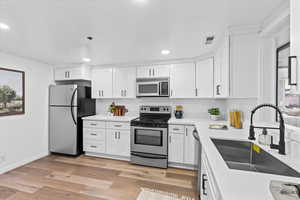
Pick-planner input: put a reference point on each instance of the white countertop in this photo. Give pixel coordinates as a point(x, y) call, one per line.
point(110, 118)
point(237, 184)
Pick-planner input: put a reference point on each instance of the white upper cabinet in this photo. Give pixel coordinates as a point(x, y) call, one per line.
point(221, 70)
point(102, 83)
point(244, 65)
point(124, 82)
point(295, 35)
point(72, 73)
point(156, 71)
point(205, 78)
point(182, 81)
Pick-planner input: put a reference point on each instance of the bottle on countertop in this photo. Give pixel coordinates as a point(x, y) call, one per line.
point(178, 112)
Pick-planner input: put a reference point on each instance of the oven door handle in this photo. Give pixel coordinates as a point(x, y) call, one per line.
point(148, 156)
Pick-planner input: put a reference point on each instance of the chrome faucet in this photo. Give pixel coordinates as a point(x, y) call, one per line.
point(281, 145)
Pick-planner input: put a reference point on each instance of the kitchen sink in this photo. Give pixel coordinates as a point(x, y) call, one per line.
point(243, 155)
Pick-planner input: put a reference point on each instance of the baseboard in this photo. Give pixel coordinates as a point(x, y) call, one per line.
point(101, 155)
point(22, 162)
point(182, 166)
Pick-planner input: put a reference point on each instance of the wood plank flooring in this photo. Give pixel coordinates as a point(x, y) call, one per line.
point(88, 178)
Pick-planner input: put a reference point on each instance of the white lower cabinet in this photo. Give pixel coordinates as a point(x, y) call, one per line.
point(182, 145)
point(176, 147)
point(107, 138)
point(118, 142)
point(209, 189)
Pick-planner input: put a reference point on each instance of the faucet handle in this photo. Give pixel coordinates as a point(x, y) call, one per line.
point(251, 133)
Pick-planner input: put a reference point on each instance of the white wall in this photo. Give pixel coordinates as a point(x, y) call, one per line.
point(24, 138)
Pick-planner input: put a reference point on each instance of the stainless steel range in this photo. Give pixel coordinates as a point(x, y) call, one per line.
point(149, 136)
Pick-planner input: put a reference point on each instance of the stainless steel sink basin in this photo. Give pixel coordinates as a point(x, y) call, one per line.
point(242, 155)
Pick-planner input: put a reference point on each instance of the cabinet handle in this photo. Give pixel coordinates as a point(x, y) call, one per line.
point(68, 74)
point(119, 135)
point(115, 135)
point(125, 93)
point(171, 92)
point(92, 146)
point(94, 134)
point(149, 72)
point(186, 132)
point(121, 92)
point(170, 139)
point(175, 129)
point(196, 91)
point(117, 125)
point(153, 72)
point(92, 124)
point(102, 93)
point(65, 74)
point(204, 180)
point(218, 89)
point(99, 93)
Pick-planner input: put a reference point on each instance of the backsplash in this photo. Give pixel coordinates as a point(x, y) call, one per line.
point(193, 108)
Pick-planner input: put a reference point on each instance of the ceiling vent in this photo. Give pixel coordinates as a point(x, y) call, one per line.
point(209, 40)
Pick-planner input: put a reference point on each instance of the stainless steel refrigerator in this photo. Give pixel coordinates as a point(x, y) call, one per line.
point(67, 105)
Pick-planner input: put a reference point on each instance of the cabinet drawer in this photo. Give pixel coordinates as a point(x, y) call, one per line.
point(97, 147)
point(94, 134)
point(176, 129)
point(118, 125)
point(93, 124)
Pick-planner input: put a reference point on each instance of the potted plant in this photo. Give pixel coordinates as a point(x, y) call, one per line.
point(214, 113)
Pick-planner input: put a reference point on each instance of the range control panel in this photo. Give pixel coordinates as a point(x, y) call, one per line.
point(155, 109)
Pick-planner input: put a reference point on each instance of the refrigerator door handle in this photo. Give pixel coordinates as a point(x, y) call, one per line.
point(71, 106)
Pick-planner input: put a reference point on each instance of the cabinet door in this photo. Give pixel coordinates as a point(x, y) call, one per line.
point(123, 148)
point(124, 82)
point(182, 81)
point(244, 65)
point(205, 78)
point(112, 142)
point(221, 70)
point(102, 82)
point(161, 71)
point(295, 35)
point(144, 72)
point(176, 147)
point(61, 74)
point(189, 146)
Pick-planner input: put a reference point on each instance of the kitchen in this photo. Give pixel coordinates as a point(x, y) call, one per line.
point(148, 99)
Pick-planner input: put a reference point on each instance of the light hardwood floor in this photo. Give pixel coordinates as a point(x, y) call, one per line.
point(88, 178)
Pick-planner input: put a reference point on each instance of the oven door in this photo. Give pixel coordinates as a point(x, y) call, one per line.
point(149, 140)
point(147, 89)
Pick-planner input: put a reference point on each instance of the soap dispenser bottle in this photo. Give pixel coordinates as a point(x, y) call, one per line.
point(264, 138)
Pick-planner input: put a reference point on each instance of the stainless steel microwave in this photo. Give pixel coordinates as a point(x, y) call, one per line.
point(158, 88)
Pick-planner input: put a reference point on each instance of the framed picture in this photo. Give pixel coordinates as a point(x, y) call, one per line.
point(12, 92)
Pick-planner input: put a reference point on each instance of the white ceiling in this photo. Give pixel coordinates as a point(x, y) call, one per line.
point(125, 31)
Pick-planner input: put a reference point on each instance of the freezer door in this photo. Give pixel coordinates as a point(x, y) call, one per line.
point(61, 95)
point(63, 131)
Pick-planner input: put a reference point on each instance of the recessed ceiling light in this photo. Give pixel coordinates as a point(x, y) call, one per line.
point(4, 26)
point(140, 1)
point(86, 59)
point(165, 52)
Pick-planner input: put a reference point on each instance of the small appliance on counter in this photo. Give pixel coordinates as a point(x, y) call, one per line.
point(235, 117)
point(178, 112)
